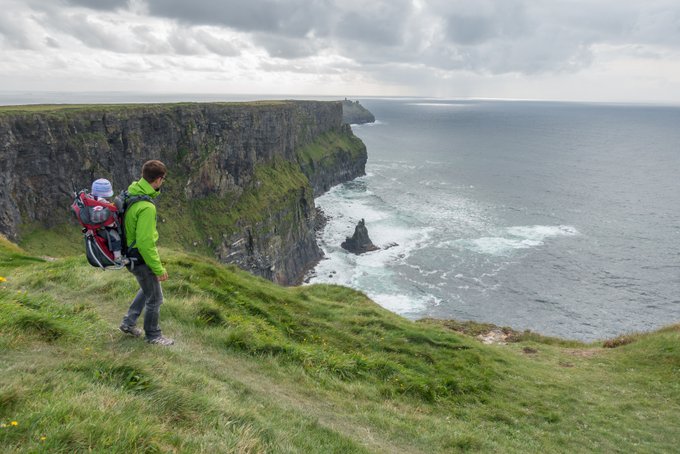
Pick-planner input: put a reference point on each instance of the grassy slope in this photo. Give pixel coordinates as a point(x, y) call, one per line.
point(261, 368)
point(318, 150)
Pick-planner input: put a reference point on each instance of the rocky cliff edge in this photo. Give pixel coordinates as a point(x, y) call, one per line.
point(242, 176)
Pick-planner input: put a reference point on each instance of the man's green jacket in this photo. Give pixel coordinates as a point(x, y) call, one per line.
point(140, 226)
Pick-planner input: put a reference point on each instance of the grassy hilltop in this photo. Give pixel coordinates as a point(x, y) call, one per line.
point(263, 368)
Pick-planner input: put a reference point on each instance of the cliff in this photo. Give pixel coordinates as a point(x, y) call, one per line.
point(242, 176)
point(354, 113)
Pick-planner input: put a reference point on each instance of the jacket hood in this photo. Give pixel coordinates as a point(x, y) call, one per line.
point(142, 187)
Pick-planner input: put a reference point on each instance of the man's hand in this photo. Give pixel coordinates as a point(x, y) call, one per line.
point(162, 278)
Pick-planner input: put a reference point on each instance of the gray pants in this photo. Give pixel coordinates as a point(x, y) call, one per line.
point(149, 296)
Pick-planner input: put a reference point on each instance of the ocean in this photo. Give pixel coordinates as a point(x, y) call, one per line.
point(562, 218)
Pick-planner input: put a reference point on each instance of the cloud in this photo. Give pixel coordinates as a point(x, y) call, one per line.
point(219, 46)
point(294, 17)
point(288, 48)
point(414, 44)
point(20, 31)
point(106, 5)
point(51, 42)
point(485, 36)
point(128, 33)
point(378, 23)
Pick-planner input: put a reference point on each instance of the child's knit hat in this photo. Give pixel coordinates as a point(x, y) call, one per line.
point(102, 188)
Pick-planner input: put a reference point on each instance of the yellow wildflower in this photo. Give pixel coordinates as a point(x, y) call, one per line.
point(43, 438)
point(14, 423)
point(2, 279)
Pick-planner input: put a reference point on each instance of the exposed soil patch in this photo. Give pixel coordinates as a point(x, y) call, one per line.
point(585, 353)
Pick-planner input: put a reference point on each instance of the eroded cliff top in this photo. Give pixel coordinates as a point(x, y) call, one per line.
point(354, 113)
point(61, 108)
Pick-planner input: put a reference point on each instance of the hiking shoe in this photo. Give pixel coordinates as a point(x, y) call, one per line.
point(161, 340)
point(131, 330)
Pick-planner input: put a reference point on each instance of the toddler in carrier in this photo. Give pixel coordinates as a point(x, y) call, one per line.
point(101, 190)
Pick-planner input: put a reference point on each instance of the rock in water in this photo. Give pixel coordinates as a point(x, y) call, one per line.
point(359, 242)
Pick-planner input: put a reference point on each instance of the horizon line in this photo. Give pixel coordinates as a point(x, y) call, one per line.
point(291, 96)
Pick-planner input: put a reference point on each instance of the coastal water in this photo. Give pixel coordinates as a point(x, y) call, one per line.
point(561, 218)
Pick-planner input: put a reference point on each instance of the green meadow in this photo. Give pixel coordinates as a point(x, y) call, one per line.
point(313, 369)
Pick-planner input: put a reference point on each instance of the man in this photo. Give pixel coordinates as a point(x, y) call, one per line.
point(141, 237)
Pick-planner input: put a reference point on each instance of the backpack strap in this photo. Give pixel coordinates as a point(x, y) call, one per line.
point(129, 200)
point(126, 201)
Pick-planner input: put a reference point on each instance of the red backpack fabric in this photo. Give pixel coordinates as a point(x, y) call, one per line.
point(94, 214)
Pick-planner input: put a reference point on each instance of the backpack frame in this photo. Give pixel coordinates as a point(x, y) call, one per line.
point(98, 218)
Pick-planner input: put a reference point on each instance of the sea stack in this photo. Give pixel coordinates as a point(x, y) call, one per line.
point(359, 242)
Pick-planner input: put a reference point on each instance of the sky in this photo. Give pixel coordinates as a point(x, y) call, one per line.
point(580, 50)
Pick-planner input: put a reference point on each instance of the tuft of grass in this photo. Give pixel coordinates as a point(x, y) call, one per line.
point(123, 376)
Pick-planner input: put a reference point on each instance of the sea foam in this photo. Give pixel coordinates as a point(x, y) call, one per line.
point(513, 238)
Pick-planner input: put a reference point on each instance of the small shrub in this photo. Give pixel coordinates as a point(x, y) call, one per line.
point(209, 315)
point(123, 376)
point(619, 341)
point(382, 369)
point(45, 328)
point(9, 399)
point(340, 366)
point(464, 442)
point(176, 404)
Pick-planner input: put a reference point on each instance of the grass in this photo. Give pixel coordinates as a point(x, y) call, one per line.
point(114, 108)
point(263, 368)
point(319, 149)
point(59, 241)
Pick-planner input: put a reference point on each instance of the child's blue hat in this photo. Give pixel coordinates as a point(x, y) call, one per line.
point(102, 188)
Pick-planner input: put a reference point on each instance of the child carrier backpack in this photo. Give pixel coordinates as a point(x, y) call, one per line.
point(101, 229)
point(104, 228)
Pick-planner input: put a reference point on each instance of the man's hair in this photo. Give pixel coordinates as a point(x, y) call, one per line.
point(153, 169)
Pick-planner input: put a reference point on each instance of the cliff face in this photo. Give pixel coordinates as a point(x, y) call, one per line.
point(239, 174)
